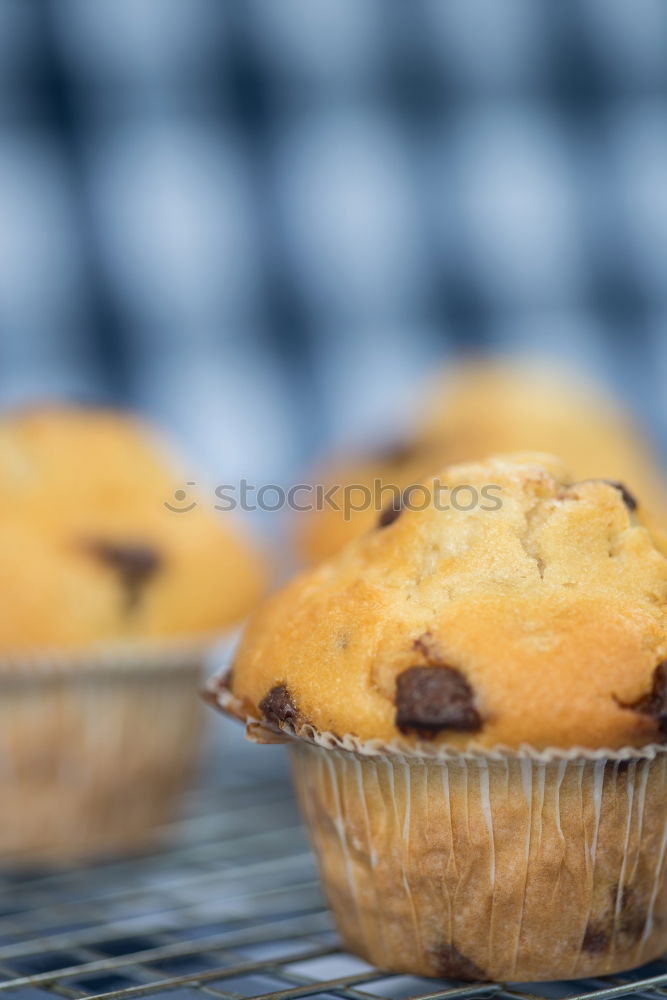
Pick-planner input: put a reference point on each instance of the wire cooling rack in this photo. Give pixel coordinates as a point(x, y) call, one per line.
point(229, 907)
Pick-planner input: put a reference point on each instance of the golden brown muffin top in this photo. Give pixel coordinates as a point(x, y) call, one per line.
point(88, 549)
point(483, 407)
point(537, 620)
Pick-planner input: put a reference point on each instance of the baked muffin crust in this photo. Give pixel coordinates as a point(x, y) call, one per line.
point(541, 622)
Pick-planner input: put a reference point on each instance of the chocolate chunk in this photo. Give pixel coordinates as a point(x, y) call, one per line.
point(628, 499)
point(655, 702)
point(596, 938)
point(397, 453)
point(135, 564)
point(632, 913)
point(429, 699)
point(451, 964)
point(622, 932)
point(278, 707)
point(394, 509)
point(390, 513)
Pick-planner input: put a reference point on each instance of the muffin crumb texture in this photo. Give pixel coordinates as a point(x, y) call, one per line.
point(541, 621)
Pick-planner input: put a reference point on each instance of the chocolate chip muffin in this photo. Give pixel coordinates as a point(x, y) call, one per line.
point(475, 695)
point(110, 601)
point(90, 550)
point(480, 408)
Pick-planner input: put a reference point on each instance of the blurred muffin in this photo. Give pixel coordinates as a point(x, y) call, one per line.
point(476, 694)
point(481, 408)
point(91, 551)
point(110, 600)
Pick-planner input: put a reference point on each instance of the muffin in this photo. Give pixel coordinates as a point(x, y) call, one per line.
point(476, 409)
point(110, 601)
point(358, 487)
point(475, 697)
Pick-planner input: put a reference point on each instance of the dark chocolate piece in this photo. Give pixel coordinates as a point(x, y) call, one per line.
point(278, 707)
point(397, 453)
point(430, 699)
point(134, 563)
point(390, 513)
point(632, 915)
point(622, 932)
point(451, 964)
point(655, 702)
point(628, 499)
point(625, 931)
point(596, 938)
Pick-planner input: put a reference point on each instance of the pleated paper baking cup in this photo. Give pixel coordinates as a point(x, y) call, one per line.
point(499, 865)
point(95, 746)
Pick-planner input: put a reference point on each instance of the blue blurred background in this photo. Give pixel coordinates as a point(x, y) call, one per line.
point(261, 221)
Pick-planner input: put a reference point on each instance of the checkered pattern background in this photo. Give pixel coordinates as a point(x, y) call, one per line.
point(260, 219)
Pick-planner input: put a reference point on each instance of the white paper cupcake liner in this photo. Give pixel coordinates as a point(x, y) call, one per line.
point(116, 656)
point(503, 864)
point(96, 746)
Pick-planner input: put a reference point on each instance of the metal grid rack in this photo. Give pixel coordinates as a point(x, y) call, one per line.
point(228, 908)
